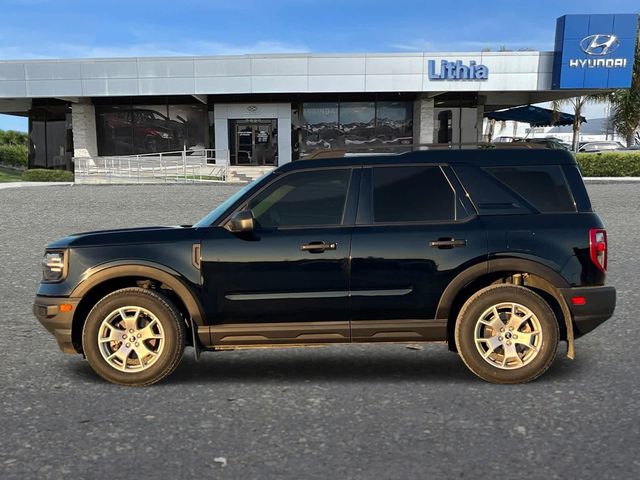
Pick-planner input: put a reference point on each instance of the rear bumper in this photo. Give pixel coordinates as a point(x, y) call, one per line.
point(599, 304)
point(47, 311)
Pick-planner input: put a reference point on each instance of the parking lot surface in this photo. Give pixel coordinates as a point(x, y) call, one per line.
point(342, 412)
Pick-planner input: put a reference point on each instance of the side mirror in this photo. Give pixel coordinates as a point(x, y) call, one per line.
point(241, 222)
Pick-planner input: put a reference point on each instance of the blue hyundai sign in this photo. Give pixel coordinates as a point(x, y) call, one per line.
point(594, 51)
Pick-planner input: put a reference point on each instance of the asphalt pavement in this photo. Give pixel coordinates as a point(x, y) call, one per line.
point(365, 412)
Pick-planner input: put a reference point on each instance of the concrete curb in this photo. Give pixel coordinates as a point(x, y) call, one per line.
point(34, 184)
point(611, 180)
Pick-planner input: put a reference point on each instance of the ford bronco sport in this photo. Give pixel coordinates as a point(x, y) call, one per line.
point(498, 253)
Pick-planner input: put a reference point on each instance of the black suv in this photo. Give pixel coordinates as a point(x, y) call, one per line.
point(498, 253)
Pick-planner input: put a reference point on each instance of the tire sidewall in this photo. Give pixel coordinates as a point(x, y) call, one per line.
point(166, 315)
point(477, 305)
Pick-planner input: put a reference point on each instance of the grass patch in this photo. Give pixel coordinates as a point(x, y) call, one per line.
point(9, 175)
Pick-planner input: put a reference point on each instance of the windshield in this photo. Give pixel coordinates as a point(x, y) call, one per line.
point(214, 214)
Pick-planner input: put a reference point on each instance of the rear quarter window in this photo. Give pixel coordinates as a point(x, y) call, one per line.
point(543, 186)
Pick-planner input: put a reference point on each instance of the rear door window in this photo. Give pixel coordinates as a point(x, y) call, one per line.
point(543, 186)
point(412, 194)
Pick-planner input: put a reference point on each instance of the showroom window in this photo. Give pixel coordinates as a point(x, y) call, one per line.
point(130, 129)
point(50, 135)
point(394, 123)
point(378, 126)
point(321, 128)
point(358, 122)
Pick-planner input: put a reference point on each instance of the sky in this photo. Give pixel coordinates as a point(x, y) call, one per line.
point(31, 29)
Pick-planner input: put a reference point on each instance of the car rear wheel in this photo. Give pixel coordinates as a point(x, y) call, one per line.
point(134, 336)
point(507, 334)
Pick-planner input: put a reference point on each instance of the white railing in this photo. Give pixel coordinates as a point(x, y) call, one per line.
point(186, 166)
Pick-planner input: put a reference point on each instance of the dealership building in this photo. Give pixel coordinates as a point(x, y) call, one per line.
point(266, 110)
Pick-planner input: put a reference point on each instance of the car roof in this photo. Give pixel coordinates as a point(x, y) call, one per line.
point(481, 157)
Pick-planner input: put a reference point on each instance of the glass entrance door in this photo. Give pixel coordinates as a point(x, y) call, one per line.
point(254, 142)
point(244, 144)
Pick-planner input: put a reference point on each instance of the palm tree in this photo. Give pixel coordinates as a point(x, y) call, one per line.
point(626, 113)
point(577, 104)
point(626, 104)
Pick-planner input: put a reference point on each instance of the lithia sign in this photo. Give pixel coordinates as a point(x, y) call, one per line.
point(456, 70)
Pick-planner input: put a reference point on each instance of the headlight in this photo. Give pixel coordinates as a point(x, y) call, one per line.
point(53, 266)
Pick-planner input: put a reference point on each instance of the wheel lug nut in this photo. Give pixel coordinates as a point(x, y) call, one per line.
point(128, 345)
point(137, 344)
point(131, 330)
point(124, 336)
point(511, 328)
point(139, 335)
point(508, 342)
point(502, 329)
point(515, 337)
point(500, 338)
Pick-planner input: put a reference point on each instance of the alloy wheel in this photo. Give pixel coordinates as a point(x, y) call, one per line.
point(508, 335)
point(131, 339)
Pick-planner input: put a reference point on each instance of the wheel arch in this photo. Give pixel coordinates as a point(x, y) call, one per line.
point(114, 276)
point(532, 274)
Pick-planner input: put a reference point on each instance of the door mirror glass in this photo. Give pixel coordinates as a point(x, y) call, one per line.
point(241, 222)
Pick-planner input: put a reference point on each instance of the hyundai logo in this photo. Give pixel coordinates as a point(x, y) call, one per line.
point(599, 44)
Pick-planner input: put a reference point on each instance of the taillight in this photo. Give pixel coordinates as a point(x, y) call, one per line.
point(598, 247)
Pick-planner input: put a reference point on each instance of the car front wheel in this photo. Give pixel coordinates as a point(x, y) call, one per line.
point(507, 334)
point(134, 337)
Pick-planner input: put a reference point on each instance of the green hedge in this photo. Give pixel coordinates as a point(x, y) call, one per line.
point(43, 175)
point(609, 164)
point(13, 155)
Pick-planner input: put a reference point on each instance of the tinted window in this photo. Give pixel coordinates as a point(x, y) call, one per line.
point(376, 126)
point(139, 129)
point(411, 194)
point(357, 120)
point(489, 196)
point(303, 199)
point(544, 186)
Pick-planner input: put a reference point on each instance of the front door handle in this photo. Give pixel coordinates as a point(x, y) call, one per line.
point(443, 243)
point(318, 247)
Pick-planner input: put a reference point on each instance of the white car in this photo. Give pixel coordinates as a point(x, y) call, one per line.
point(599, 146)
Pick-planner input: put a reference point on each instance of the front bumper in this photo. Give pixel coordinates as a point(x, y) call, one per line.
point(47, 311)
point(599, 304)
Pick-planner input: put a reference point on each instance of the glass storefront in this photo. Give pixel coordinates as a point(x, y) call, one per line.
point(356, 126)
point(320, 127)
point(50, 135)
point(139, 125)
point(130, 129)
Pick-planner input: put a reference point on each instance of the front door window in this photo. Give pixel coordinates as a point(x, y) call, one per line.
point(303, 199)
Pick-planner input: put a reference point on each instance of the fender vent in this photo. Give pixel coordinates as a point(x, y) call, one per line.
point(195, 255)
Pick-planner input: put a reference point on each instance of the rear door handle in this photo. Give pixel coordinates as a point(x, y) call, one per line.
point(318, 247)
point(447, 243)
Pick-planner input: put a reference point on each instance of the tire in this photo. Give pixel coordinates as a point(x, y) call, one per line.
point(495, 347)
point(143, 354)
